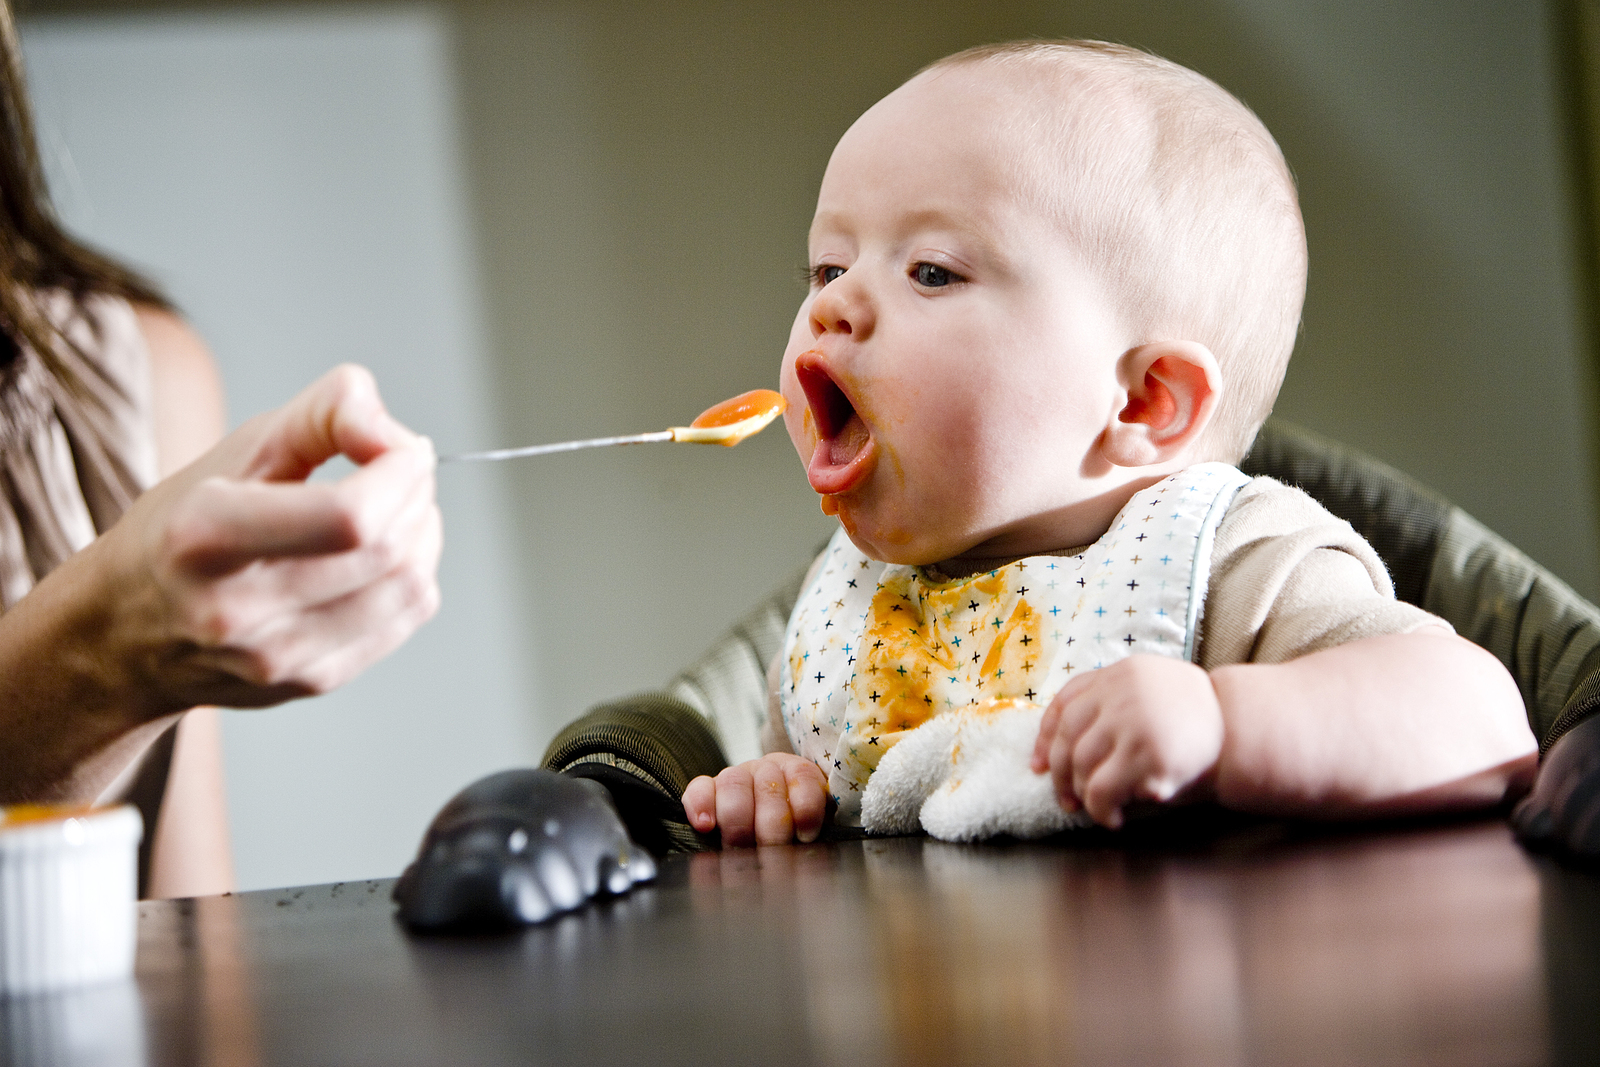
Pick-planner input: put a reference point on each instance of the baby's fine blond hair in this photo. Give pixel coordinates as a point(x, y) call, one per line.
point(1177, 197)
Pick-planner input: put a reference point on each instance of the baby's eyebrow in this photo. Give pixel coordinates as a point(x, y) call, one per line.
point(935, 222)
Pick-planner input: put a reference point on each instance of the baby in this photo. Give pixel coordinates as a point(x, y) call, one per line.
point(1054, 289)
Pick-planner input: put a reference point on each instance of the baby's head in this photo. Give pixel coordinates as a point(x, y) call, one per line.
point(1044, 275)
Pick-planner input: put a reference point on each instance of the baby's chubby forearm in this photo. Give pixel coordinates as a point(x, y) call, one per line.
point(1405, 722)
point(1408, 722)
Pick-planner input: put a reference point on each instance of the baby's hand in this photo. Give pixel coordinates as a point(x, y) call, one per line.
point(768, 801)
point(1144, 727)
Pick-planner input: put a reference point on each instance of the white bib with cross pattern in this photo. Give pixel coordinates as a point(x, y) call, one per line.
point(877, 656)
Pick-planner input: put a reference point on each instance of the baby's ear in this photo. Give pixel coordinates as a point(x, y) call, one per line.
point(1171, 392)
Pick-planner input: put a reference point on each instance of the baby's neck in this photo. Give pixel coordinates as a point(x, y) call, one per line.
point(951, 570)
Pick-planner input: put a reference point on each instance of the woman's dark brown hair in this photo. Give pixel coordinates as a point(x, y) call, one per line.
point(35, 252)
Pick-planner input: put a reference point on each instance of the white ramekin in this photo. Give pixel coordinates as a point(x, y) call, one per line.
point(68, 896)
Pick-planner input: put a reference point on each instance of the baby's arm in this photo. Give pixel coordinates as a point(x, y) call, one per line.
point(1397, 723)
point(1423, 721)
point(773, 800)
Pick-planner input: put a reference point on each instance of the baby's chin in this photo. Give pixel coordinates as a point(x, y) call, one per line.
point(890, 542)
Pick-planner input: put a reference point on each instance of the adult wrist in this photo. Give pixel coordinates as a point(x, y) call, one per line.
point(64, 697)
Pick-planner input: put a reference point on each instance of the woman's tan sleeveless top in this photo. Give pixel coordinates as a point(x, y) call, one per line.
point(77, 439)
point(77, 446)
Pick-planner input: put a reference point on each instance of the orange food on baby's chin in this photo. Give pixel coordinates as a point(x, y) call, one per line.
point(830, 504)
point(754, 404)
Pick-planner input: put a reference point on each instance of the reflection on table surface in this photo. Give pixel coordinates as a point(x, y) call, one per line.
point(1260, 943)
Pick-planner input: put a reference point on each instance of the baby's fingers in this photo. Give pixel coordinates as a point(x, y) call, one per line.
point(1040, 762)
point(808, 798)
point(1074, 760)
point(1111, 784)
point(736, 806)
point(700, 804)
point(774, 819)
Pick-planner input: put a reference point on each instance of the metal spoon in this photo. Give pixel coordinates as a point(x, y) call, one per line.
point(726, 423)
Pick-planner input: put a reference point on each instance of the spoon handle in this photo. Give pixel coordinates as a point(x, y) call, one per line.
point(560, 446)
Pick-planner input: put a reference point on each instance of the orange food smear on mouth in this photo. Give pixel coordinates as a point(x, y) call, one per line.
point(754, 404)
point(830, 504)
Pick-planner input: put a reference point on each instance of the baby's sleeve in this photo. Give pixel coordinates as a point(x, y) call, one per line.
point(1289, 578)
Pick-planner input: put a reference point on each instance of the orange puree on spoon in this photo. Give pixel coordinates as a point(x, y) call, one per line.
point(733, 420)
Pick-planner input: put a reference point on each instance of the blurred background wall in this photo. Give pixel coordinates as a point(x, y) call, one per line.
point(541, 219)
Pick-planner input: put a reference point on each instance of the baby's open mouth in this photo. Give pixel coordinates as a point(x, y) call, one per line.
point(844, 453)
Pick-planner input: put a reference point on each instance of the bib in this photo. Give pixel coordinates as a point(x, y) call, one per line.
point(875, 654)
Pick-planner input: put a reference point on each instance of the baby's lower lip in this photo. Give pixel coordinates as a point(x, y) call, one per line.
point(842, 462)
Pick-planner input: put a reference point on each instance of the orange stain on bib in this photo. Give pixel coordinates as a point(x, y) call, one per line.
point(973, 644)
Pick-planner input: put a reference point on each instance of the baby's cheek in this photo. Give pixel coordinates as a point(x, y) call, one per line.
point(797, 418)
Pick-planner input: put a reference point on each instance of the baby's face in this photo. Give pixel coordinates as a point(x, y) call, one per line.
point(953, 364)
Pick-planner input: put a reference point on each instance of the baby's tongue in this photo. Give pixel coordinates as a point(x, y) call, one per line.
point(835, 465)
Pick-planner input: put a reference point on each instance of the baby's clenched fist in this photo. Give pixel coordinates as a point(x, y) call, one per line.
point(773, 800)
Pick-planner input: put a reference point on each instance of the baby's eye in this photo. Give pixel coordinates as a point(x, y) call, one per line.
point(825, 273)
point(933, 276)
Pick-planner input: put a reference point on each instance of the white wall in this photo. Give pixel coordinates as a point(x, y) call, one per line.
point(293, 179)
point(1442, 328)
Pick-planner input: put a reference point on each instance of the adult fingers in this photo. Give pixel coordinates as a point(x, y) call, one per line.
point(349, 635)
point(265, 651)
point(700, 803)
point(774, 820)
point(409, 538)
point(223, 524)
point(808, 798)
point(736, 806)
point(317, 653)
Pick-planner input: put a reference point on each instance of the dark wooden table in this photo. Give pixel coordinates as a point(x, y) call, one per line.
point(1255, 943)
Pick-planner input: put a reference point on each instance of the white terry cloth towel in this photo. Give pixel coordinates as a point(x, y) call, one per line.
point(964, 776)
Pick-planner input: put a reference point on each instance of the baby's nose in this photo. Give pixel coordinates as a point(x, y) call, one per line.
point(841, 307)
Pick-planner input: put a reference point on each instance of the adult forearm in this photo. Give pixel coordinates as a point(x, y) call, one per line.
point(1380, 726)
point(69, 720)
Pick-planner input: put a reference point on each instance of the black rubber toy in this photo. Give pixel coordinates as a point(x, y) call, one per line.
point(1562, 813)
point(516, 848)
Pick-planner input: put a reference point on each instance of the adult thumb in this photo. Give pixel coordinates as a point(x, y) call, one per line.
point(340, 413)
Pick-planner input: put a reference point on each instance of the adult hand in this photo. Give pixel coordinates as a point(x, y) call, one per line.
point(1562, 813)
point(237, 582)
